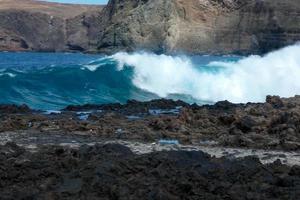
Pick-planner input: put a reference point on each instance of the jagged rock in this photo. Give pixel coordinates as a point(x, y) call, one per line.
point(275, 101)
point(11, 109)
point(237, 125)
point(246, 123)
point(114, 172)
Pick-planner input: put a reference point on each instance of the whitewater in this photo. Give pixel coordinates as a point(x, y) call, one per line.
point(246, 80)
point(55, 80)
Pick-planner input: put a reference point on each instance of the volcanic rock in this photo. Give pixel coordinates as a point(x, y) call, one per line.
point(251, 125)
point(114, 172)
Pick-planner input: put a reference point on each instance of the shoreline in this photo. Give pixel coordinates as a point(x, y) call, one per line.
point(271, 126)
point(94, 151)
point(34, 142)
point(114, 171)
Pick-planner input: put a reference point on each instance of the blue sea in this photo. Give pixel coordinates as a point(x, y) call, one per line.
point(54, 80)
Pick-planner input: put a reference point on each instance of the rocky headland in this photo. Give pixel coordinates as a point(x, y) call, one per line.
point(161, 26)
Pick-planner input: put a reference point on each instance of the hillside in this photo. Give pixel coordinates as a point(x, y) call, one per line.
point(161, 26)
point(42, 26)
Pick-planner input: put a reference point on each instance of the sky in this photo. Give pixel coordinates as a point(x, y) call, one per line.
point(81, 1)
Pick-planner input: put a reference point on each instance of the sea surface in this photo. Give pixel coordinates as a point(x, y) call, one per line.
point(54, 80)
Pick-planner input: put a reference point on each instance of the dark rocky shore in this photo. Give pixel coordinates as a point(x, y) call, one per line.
point(61, 154)
point(271, 125)
point(114, 172)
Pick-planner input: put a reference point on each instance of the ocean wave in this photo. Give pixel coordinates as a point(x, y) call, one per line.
point(144, 76)
point(95, 64)
point(244, 80)
point(11, 75)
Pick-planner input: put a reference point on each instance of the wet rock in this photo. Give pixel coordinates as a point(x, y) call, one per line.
point(290, 146)
point(13, 109)
point(270, 125)
point(224, 105)
point(131, 107)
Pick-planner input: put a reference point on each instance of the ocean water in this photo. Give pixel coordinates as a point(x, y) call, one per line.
point(54, 80)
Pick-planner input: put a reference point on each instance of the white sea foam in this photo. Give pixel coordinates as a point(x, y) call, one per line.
point(95, 64)
point(8, 74)
point(91, 67)
point(249, 79)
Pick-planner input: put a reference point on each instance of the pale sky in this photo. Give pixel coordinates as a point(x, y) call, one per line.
point(81, 1)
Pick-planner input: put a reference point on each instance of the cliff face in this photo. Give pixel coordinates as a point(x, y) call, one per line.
point(161, 26)
point(259, 26)
point(135, 24)
point(200, 26)
point(40, 26)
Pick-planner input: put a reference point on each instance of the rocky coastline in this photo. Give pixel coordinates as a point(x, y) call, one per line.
point(159, 149)
point(113, 171)
point(117, 151)
point(274, 124)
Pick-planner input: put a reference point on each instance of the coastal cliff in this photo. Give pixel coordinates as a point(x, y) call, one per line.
point(27, 25)
point(204, 26)
point(161, 26)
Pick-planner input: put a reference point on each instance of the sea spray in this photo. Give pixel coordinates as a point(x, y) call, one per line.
point(51, 81)
point(244, 80)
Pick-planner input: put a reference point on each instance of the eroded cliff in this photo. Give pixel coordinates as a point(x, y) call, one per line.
point(41, 26)
point(200, 26)
point(161, 26)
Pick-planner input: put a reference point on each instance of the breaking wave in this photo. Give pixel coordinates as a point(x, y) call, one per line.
point(241, 80)
point(52, 81)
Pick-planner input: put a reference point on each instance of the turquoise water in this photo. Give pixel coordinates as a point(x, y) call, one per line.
point(52, 81)
point(55, 80)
